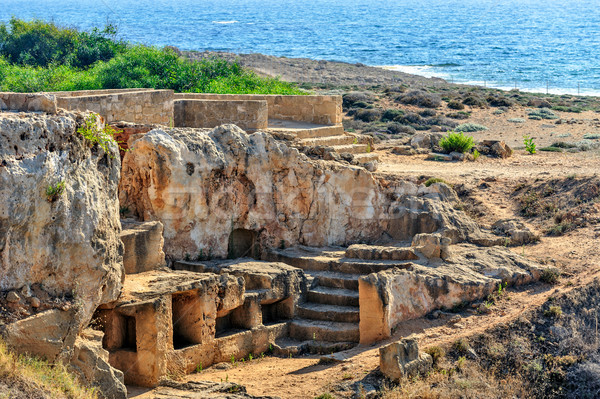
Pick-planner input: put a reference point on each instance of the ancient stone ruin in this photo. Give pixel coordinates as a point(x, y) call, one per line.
point(207, 242)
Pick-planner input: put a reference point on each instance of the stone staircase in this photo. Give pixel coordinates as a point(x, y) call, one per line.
point(331, 310)
point(307, 135)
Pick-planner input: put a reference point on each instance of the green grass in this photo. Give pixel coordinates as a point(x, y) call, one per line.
point(39, 56)
point(457, 142)
point(33, 377)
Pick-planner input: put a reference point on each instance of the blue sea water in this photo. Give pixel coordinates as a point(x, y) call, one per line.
point(529, 44)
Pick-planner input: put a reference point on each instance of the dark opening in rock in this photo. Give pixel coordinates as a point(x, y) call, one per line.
point(187, 316)
point(242, 243)
point(231, 323)
point(277, 311)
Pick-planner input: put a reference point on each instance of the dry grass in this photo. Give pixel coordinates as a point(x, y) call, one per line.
point(24, 377)
point(469, 380)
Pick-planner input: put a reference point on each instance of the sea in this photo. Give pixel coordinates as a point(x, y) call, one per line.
point(532, 45)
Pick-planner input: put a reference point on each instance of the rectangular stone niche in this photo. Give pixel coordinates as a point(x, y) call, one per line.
point(232, 322)
point(119, 331)
point(278, 311)
point(188, 319)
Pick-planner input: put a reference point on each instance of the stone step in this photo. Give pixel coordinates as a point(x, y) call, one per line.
point(333, 296)
point(366, 157)
point(327, 141)
point(325, 131)
point(319, 311)
point(313, 260)
point(286, 347)
point(351, 148)
point(329, 331)
point(335, 280)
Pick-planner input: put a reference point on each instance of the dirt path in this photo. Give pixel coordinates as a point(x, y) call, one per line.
point(576, 253)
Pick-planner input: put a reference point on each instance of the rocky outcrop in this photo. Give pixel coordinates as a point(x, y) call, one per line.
point(90, 361)
point(402, 359)
point(208, 188)
point(515, 231)
point(59, 213)
point(469, 273)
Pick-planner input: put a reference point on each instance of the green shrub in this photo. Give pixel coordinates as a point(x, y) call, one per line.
point(104, 137)
point(39, 56)
point(542, 113)
point(391, 115)
point(454, 104)
point(456, 142)
point(459, 115)
point(470, 127)
point(53, 191)
point(367, 115)
point(529, 144)
point(39, 43)
point(516, 120)
point(591, 136)
point(434, 180)
point(551, 149)
point(420, 99)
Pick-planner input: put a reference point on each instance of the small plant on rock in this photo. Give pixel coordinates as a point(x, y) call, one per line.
point(457, 142)
point(101, 136)
point(53, 191)
point(529, 145)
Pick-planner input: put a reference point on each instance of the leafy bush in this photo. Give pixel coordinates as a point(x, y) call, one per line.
point(350, 99)
point(39, 56)
point(454, 104)
point(367, 115)
point(434, 180)
point(391, 115)
point(475, 101)
point(396, 128)
point(529, 144)
point(39, 43)
point(420, 98)
point(426, 113)
point(499, 101)
point(542, 113)
point(104, 137)
point(470, 127)
point(516, 120)
point(551, 149)
point(459, 115)
point(591, 136)
point(456, 142)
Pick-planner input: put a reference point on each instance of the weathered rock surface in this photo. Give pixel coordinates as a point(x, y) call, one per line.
point(515, 230)
point(432, 245)
point(143, 246)
point(206, 186)
point(494, 148)
point(413, 290)
point(67, 244)
point(402, 359)
point(201, 390)
point(49, 335)
point(90, 361)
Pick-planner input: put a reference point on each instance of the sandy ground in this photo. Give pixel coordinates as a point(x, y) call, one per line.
point(576, 253)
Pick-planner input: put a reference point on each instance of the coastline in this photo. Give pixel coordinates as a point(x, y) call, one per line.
point(339, 74)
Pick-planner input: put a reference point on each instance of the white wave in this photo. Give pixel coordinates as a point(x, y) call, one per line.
point(225, 22)
point(421, 70)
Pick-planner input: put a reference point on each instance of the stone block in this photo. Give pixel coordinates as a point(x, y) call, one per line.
point(402, 359)
point(143, 242)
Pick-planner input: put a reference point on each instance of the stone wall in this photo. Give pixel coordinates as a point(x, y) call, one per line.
point(26, 102)
point(468, 273)
point(317, 109)
point(171, 322)
point(137, 106)
point(249, 115)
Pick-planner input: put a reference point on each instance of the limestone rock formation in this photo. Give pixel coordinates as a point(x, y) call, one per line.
point(402, 359)
point(90, 361)
point(59, 221)
point(515, 231)
point(215, 190)
point(202, 390)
